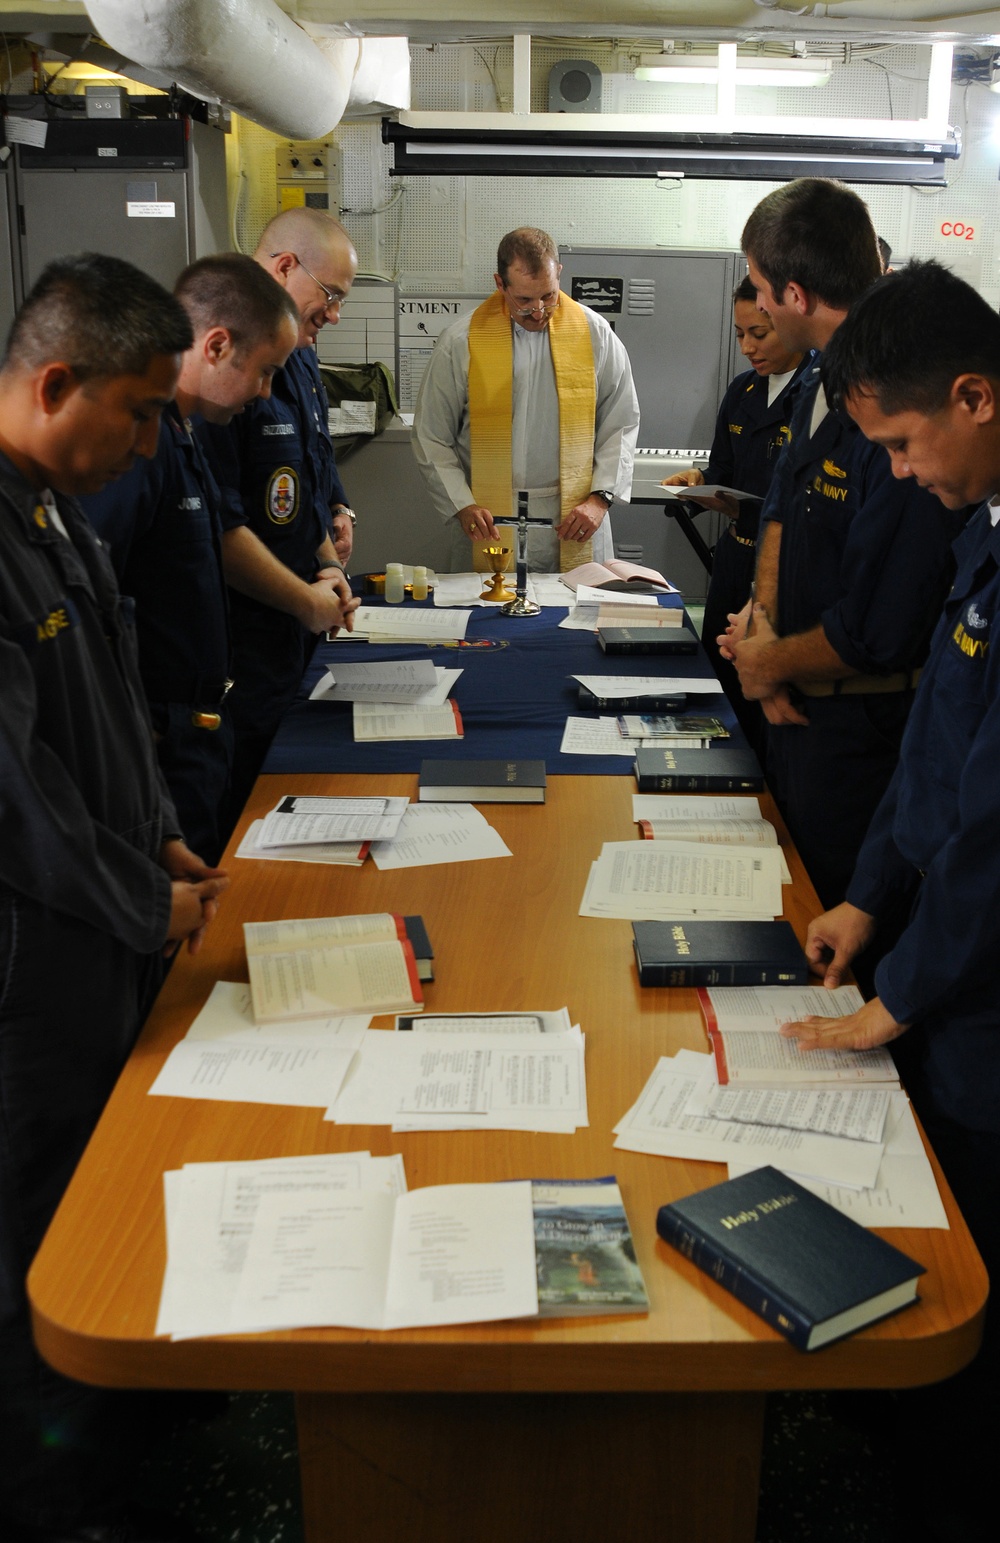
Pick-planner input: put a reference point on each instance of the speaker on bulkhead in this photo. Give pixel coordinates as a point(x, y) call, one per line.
point(574, 87)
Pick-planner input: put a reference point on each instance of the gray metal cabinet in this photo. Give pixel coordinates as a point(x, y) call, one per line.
point(672, 310)
point(86, 211)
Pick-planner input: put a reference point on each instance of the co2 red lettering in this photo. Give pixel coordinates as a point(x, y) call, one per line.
point(957, 228)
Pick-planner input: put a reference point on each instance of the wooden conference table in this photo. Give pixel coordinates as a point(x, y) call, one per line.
point(556, 1429)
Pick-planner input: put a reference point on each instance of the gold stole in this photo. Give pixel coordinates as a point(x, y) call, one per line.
point(491, 372)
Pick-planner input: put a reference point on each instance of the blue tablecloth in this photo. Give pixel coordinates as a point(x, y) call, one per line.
point(514, 696)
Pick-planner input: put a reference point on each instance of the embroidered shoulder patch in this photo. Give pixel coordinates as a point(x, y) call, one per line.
point(282, 497)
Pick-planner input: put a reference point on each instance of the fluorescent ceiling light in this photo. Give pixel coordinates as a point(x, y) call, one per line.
point(776, 72)
point(484, 150)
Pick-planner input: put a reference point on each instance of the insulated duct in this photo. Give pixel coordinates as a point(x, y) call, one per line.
point(253, 58)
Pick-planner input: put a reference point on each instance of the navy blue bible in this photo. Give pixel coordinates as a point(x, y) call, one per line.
point(806, 1268)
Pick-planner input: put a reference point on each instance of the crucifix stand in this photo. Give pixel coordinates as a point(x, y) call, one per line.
point(521, 605)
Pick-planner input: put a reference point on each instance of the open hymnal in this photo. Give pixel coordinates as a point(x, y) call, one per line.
point(616, 572)
point(724, 831)
point(743, 1024)
point(383, 721)
point(667, 880)
point(337, 964)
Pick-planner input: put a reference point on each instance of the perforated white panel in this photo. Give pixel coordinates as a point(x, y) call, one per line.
point(439, 235)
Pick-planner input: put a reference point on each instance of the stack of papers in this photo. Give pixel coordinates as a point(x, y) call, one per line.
point(347, 854)
point(468, 1081)
point(227, 1055)
point(405, 624)
point(405, 699)
point(299, 1242)
point(858, 1148)
point(210, 1213)
point(297, 821)
point(660, 1122)
point(669, 814)
point(440, 833)
point(721, 821)
point(599, 607)
point(596, 736)
point(545, 589)
point(668, 880)
point(610, 686)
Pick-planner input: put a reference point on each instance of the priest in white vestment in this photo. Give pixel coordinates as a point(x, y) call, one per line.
point(552, 411)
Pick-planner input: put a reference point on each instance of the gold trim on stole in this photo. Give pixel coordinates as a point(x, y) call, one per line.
point(491, 407)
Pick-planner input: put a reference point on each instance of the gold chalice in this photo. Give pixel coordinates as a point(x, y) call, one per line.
point(498, 554)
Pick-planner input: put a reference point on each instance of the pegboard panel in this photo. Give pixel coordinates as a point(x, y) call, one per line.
point(253, 190)
point(372, 200)
point(440, 234)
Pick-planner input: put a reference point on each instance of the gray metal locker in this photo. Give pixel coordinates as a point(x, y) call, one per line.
point(151, 191)
point(672, 311)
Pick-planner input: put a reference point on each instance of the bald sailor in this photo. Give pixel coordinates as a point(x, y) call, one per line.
point(532, 392)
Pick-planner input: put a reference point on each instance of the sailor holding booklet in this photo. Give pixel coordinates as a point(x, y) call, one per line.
point(534, 392)
point(750, 432)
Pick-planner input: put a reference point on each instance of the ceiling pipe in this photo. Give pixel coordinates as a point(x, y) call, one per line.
point(253, 58)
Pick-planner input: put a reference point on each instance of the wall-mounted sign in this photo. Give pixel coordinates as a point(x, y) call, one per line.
point(598, 294)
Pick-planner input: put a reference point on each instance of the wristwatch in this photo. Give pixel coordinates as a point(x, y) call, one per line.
point(345, 509)
point(604, 493)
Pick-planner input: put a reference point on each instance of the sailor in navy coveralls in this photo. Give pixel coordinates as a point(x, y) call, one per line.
point(853, 565)
point(286, 517)
point(918, 367)
point(161, 526)
point(94, 878)
point(751, 430)
point(868, 559)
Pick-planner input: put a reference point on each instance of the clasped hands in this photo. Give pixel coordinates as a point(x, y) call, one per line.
point(579, 525)
point(333, 603)
point(833, 940)
point(194, 895)
point(749, 644)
